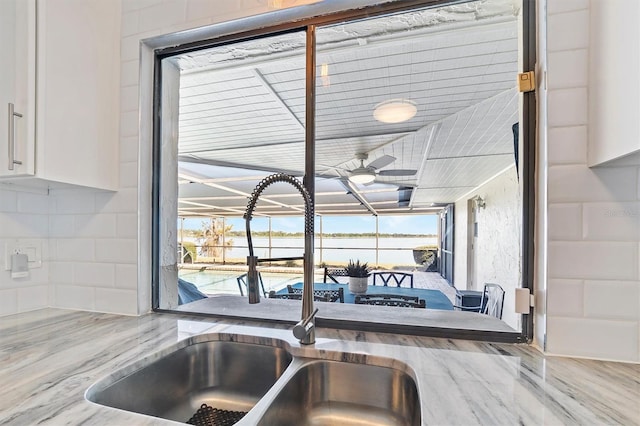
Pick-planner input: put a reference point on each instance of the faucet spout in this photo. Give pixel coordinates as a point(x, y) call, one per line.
point(305, 333)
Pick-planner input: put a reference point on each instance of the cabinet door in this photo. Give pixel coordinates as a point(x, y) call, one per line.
point(17, 87)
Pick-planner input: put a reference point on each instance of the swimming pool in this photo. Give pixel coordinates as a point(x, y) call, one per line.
point(224, 282)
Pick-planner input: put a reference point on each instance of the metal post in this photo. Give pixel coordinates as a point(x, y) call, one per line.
point(309, 178)
point(320, 239)
point(270, 255)
point(224, 245)
point(377, 242)
point(181, 240)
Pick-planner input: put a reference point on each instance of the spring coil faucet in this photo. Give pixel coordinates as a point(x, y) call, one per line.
point(305, 329)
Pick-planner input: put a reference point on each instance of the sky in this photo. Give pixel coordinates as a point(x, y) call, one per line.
point(419, 224)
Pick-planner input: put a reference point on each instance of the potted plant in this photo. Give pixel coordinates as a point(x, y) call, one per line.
point(358, 276)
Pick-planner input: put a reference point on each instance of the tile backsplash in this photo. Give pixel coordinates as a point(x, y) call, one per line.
point(24, 215)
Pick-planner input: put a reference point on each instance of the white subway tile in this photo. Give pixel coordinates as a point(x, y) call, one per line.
point(130, 48)
point(129, 98)
point(129, 149)
point(199, 9)
point(117, 250)
point(117, 301)
point(602, 339)
point(568, 31)
point(127, 226)
point(593, 260)
point(576, 183)
point(565, 222)
point(128, 123)
point(129, 174)
point(127, 276)
point(61, 226)
point(130, 23)
point(74, 297)
point(79, 250)
point(8, 201)
point(130, 73)
point(8, 301)
point(567, 145)
point(33, 203)
point(567, 107)
point(163, 16)
point(94, 274)
point(39, 275)
point(131, 5)
point(18, 225)
point(565, 298)
point(95, 226)
point(612, 221)
point(123, 201)
point(567, 69)
point(74, 202)
point(61, 272)
point(33, 297)
point(561, 6)
point(612, 299)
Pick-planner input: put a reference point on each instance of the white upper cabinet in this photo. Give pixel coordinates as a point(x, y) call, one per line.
point(17, 88)
point(77, 76)
point(614, 83)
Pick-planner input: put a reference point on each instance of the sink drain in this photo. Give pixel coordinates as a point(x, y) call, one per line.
point(209, 416)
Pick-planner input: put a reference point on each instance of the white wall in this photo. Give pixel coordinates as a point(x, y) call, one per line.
point(23, 215)
point(498, 242)
point(593, 299)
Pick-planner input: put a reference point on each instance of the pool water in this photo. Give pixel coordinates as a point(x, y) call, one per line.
point(223, 282)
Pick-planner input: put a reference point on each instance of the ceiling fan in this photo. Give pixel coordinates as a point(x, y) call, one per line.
point(367, 174)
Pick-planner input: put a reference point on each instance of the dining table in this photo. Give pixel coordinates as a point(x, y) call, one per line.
point(435, 299)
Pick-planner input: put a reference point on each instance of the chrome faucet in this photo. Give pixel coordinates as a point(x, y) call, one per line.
point(304, 330)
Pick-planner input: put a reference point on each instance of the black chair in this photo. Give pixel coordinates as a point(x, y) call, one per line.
point(242, 284)
point(333, 295)
point(395, 276)
point(390, 300)
point(491, 303)
point(332, 273)
point(298, 296)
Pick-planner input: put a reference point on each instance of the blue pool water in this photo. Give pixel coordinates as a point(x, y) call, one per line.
point(223, 282)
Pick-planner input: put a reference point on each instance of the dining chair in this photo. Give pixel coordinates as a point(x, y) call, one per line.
point(394, 276)
point(491, 303)
point(334, 295)
point(298, 296)
point(332, 273)
point(390, 300)
point(242, 284)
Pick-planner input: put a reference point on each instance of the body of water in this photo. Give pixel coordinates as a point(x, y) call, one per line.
point(391, 251)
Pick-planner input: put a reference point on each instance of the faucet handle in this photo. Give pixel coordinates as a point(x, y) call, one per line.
point(304, 326)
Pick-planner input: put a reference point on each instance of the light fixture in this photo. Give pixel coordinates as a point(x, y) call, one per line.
point(480, 203)
point(362, 175)
point(395, 110)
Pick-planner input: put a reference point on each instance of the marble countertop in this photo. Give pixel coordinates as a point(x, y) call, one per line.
point(49, 358)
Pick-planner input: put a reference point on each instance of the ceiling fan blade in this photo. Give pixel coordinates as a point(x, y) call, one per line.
point(397, 172)
point(379, 163)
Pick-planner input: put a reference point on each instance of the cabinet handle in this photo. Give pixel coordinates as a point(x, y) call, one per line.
point(12, 136)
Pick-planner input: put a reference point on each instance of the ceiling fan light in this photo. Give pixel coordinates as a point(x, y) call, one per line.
point(395, 110)
point(362, 176)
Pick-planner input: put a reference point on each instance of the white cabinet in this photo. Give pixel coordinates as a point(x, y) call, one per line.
point(614, 83)
point(17, 88)
point(77, 76)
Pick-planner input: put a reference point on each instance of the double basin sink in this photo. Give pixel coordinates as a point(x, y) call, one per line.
point(215, 379)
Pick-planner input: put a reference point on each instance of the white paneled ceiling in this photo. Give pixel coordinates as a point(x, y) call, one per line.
point(242, 112)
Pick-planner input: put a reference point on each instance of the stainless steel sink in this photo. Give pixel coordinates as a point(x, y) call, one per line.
point(224, 375)
point(340, 393)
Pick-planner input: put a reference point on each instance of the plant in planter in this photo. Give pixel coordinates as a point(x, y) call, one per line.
point(358, 276)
